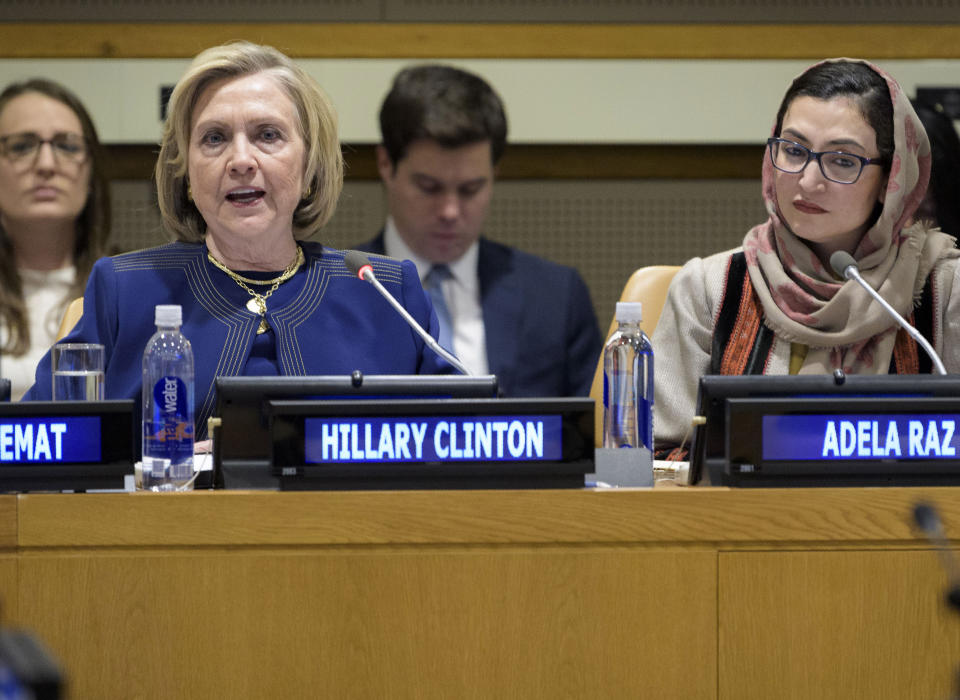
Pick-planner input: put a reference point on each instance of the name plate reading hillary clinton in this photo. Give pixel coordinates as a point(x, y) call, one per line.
point(425, 443)
point(432, 439)
point(65, 445)
point(853, 440)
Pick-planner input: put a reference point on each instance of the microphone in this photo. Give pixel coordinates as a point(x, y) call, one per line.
point(926, 518)
point(359, 264)
point(845, 266)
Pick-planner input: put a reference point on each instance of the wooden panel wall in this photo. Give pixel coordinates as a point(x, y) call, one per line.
point(484, 40)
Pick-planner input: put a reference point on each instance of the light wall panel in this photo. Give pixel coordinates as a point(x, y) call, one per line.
point(548, 101)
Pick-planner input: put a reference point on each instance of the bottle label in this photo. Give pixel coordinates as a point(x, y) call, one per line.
point(169, 431)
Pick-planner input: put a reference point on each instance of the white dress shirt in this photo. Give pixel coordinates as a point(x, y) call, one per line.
point(462, 294)
point(44, 293)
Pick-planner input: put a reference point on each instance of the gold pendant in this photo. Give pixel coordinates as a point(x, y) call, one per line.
point(263, 327)
point(253, 306)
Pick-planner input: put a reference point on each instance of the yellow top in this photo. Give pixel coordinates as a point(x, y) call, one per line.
point(798, 353)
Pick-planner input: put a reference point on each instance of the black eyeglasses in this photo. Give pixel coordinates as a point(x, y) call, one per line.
point(25, 146)
point(836, 166)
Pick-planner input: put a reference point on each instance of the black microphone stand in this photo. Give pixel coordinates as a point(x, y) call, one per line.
point(927, 519)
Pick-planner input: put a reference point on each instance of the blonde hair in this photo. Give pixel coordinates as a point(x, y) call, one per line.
point(323, 161)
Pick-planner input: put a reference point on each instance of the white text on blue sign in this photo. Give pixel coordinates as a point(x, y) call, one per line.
point(431, 439)
point(62, 439)
point(805, 437)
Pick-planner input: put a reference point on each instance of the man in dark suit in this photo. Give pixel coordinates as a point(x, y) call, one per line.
point(501, 310)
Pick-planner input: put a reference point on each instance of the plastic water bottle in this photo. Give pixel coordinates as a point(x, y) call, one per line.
point(168, 405)
point(628, 382)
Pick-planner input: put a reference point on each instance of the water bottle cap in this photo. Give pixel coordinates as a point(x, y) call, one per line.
point(168, 315)
point(629, 312)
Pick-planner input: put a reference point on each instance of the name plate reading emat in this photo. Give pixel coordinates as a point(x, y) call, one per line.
point(828, 441)
point(65, 445)
point(432, 443)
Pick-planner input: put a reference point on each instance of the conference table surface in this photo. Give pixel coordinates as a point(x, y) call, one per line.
point(621, 593)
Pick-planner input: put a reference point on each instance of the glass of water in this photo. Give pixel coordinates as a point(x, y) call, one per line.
point(77, 372)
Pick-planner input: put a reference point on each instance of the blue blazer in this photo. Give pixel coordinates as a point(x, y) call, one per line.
point(542, 333)
point(325, 320)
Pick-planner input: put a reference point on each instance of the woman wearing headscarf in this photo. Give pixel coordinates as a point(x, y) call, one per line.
point(845, 169)
point(249, 168)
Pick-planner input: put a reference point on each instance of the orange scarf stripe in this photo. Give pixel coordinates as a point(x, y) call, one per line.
point(905, 350)
point(749, 315)
point(677, 454)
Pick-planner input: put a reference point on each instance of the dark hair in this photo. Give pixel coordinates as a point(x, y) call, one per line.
point(443, 104)
point(944, 189)
point(848, 79)
point(93, 223)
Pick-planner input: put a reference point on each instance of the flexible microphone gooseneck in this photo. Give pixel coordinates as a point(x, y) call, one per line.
point(359, 264)
point(925, 516)
point(845, 266)
point(927, 519)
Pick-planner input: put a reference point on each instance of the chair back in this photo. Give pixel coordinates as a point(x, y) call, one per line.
point(70, 317)
point(647, 285)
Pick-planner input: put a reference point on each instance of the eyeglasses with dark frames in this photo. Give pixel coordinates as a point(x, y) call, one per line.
point(836, 166)
point(19, 148)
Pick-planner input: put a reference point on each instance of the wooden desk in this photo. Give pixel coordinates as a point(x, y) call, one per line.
point(672, 593)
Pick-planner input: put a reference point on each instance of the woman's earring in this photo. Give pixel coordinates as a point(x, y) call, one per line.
point(189, 193)
point(306, 195)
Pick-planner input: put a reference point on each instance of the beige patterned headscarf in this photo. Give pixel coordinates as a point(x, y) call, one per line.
point(803, 301)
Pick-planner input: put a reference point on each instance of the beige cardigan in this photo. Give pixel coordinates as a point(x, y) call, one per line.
point(683, 337)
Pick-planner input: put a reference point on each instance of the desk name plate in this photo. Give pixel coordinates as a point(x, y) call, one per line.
point(904, 440)
point(429, 443)
point(66, 445)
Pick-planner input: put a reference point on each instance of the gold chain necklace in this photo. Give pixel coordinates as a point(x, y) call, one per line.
point(258, 303)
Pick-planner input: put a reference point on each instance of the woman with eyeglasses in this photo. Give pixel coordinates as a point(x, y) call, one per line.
point(54, 218)
point(845, 170)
